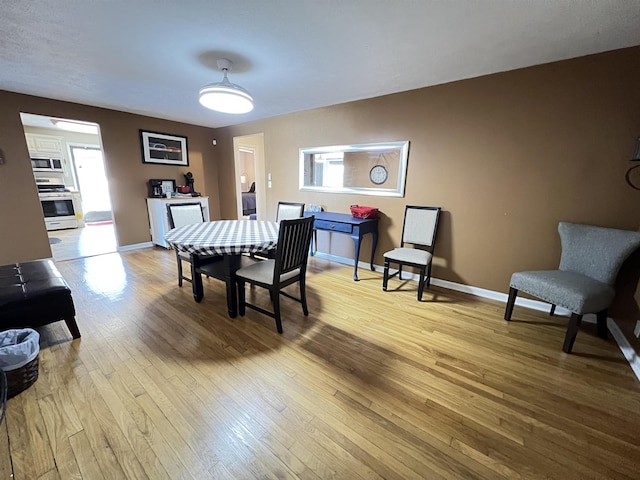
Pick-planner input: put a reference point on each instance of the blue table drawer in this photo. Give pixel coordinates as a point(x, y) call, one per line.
point(332, 226)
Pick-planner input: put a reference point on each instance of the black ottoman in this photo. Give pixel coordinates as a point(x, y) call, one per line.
point(33, 294)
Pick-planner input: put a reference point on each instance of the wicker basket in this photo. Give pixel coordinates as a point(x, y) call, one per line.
point(20, 379)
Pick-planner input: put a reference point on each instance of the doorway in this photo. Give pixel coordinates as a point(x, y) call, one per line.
point(78, 145)
point(250, 176)
point(92, 182)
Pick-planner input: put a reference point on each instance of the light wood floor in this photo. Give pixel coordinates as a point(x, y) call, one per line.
point(371, 385)
point(81, 242)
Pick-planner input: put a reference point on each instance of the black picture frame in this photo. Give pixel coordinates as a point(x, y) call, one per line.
point(164, 148)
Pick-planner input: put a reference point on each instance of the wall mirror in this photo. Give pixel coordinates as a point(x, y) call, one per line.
point(365, 169)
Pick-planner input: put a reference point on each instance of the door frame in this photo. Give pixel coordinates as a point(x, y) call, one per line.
point(254, 142)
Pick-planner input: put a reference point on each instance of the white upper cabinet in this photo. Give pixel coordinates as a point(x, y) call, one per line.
point(44, 145)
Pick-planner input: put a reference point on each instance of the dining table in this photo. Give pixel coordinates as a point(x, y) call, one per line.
point(217, 249)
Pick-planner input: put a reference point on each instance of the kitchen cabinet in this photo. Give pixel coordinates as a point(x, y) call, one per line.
point(159, 217)
point(45, 145)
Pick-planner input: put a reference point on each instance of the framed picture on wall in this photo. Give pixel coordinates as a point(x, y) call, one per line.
point(164, 148)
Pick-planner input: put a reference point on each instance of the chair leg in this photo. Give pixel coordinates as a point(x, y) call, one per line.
point(572, 331)
point(276, 310)
point(552, 311)
point(421, 283)
point(73, 327)
point(179, 269)
point(303, 296)
point(429, 275)
point(513, 293)
point(242, 301)
point(385, 276)
point(603, 331)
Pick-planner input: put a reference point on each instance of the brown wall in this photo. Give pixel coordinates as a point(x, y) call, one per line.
point(23, 234)
point(506, 156)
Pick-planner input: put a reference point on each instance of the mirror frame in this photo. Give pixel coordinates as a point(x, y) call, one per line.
point(396, 191)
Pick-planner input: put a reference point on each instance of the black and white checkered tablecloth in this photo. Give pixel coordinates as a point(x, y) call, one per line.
point(230, 237)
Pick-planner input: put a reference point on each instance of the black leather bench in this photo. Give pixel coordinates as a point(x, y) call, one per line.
point(33, 294)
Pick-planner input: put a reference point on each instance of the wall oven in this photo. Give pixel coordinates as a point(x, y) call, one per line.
point(57, 204)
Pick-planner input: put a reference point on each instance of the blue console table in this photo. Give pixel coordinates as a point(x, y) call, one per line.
point(346, 224)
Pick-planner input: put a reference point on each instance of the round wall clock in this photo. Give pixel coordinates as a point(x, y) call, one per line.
point(633, 177)
point(378, 174)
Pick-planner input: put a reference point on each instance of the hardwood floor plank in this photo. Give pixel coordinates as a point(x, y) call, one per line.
point(131, 426)
point(370, 385)
point(6, 469)
point(65, 460)
point(30, 447)
point(105, 432)
point(87, 463)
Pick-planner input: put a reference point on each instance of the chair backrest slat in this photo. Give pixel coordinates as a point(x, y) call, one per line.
point(420, 225)
point(289, 210)
point(181, 214)
point(292, 251)
point(596, 252)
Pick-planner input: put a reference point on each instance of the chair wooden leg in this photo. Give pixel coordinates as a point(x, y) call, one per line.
point(276, 310)
point(421, 283)
point(552, 311)
point(303, 296)
point(513, 293)
point(603, 331)
point(572, 331)
point(179, 269)
point(73, 327)
point(242, 301)
point(385, 276)
point(429, 275)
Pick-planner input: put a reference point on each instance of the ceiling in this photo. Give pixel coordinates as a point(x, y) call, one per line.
point(152, 56)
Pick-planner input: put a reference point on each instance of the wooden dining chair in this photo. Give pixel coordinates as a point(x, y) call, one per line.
point(286, 211)
point(181, 214)
point(419, 230)
point(288, 267)
point(289, 210)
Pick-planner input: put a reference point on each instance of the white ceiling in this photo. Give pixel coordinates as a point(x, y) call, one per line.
point(152, 56)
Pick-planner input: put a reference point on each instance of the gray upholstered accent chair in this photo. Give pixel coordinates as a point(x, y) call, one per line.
point(288, 267)
point(419, 229)
point(589, 264)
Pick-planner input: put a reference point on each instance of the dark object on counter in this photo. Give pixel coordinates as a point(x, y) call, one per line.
point(33, 294)
point(188, 179)
point(159, 187)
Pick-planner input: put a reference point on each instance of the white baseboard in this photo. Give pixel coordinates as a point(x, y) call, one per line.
point(135, 246)
point(625, 347)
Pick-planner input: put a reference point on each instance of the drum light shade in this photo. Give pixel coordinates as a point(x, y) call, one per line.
point(225, 96)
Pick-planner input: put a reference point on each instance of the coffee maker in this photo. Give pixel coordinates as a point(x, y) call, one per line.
point(188, 180)
point(155, 188)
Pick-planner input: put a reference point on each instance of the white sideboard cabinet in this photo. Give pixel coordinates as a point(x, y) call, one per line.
point(159, 217)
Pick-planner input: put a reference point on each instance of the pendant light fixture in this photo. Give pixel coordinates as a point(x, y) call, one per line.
point(225, 96)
